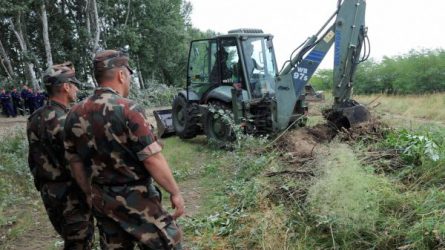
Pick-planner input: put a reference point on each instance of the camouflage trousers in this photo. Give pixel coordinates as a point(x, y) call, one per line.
point(68, 214)
point(133, 215)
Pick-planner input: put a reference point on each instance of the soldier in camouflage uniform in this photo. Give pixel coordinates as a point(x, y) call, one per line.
point(114, 156)
point(62, 197)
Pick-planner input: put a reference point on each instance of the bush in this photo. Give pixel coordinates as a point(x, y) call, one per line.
point(416, 72)
point(154, 95)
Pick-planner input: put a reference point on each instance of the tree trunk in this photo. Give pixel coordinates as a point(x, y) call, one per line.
point(93, 25)
point(141, 79)
point(128, 12)
point(96, 26)
point(4, 67)
point(5, 59)
point(49, 57)
point(29, 65)
point(88, 19)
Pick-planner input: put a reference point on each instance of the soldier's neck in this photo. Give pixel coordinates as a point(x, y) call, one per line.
point(116, 87)
point(60, 99)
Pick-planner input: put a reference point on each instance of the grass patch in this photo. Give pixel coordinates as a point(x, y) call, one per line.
point(16, 186)
point(187, 158)
point(409, 111)
point(15, 179)
point(350, 202)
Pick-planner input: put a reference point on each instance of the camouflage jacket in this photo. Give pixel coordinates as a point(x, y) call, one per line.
point(45, 137)
point(111, 136)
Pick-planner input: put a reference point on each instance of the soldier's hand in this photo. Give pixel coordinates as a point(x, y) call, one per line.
point(178, 205)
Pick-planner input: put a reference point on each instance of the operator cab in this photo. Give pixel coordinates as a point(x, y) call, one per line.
point(243, 58)
point(260, 66)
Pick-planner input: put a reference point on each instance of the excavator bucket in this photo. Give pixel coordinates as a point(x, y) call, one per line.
point(164, 122)
point(348, 116)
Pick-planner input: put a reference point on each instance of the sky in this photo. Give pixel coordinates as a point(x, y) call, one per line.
point(394, 26)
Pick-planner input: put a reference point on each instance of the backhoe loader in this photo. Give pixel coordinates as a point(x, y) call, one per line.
point(233, 80)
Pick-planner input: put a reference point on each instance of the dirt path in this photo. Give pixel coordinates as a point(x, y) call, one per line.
point(9, 126)
point(31, 230)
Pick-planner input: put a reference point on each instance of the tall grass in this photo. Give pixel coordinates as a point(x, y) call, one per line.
point(428, 107)
point(16, 187)
point(15, 178)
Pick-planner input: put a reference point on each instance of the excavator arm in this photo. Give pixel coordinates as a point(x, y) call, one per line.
point(348, 33)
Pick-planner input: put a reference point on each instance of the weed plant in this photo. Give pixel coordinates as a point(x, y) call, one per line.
point(16, 185)
point(15, 178)
point(154, 95)
point(424, 154)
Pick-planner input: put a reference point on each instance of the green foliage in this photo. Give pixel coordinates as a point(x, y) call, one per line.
point(154, 95)
point(322, 80)
point(415, 147)
point(428, 230)
point(414, 73)
point(15, 179)
point(424, 154)
point(220, 223)
point(16, 185)
point(158, 33)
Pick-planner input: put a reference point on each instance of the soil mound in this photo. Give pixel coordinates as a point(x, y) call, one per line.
point(371, 131)
point(300, 143)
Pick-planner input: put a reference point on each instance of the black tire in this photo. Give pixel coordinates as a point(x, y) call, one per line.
point(217, 122)
point(185, 118)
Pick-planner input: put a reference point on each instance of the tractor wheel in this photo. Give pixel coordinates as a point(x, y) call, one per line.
point(185, 118)
point(218, 124)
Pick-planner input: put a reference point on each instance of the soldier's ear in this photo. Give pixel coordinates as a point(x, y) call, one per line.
point(122, 75)
point(66, 86)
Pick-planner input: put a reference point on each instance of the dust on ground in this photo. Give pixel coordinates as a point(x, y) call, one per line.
point(11, 125)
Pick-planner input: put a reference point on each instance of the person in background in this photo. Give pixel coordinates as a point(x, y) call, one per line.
point(32, 100)
point(40, 99)
point(17, 102)
point(6, 100)
point(26, 96)
point(225, 73)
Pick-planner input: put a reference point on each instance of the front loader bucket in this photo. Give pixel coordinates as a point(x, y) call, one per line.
point(164, 122)
point(348, 115)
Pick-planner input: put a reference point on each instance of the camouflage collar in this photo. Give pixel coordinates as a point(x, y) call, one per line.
point(101, 90)
point(57, 104)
